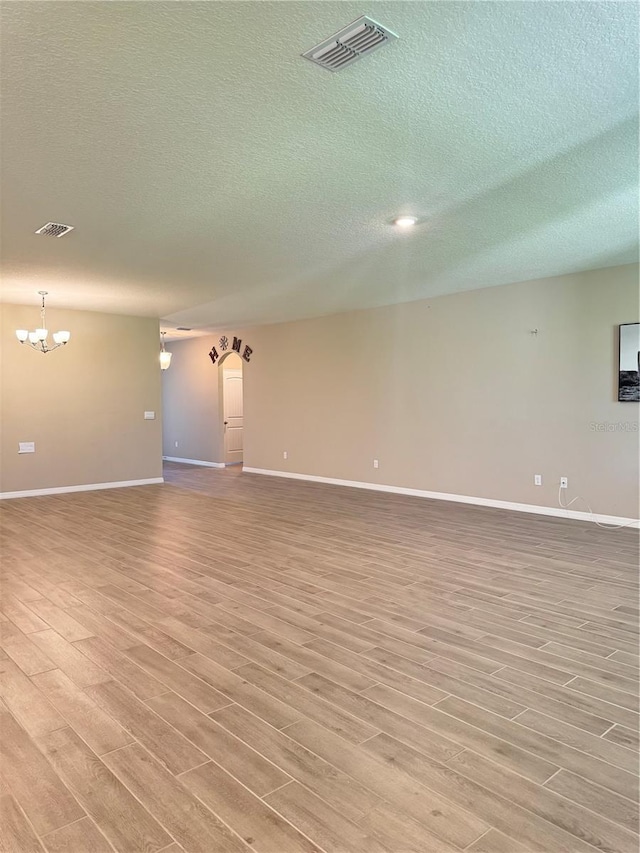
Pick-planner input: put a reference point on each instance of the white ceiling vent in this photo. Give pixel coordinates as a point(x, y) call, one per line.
point(54, 229)
point(350, 44)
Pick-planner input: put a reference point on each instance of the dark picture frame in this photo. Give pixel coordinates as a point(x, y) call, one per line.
point(629, 363)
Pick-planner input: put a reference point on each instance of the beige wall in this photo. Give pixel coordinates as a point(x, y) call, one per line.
point(452, 395)
point(83, 405)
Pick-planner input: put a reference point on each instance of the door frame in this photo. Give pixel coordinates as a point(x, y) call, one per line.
point(221, 430)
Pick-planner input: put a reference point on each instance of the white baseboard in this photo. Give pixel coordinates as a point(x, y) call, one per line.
point(558, 512)
point(87, 487)
point(194, 462)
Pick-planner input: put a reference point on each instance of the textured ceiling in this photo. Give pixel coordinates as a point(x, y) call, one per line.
point(214, 177)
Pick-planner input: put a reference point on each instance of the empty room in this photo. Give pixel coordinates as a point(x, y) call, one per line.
point(319, 449)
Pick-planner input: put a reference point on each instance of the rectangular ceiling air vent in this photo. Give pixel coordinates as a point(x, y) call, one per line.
point(54, 229)
point(348, 45)
point(183, 329)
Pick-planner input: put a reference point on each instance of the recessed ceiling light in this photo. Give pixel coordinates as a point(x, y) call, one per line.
point(405, 221)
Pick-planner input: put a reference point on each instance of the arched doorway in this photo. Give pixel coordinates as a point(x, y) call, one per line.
point(232, 408)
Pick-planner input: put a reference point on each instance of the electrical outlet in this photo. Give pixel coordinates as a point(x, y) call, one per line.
point(149, 416)
point(285, 455)
point(176, 443)
point(564, 482)
point(26, 447)
point(376, 464)
point(537, 479)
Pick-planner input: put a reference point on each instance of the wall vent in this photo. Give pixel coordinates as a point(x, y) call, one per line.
point(348, 45)
point(182, 329)
point(54, 229)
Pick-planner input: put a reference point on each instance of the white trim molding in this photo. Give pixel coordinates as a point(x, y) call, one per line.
point(86, 487)
point(557, 512)
point(194, 462)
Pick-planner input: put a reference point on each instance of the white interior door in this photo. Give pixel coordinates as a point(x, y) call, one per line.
point(232, 410)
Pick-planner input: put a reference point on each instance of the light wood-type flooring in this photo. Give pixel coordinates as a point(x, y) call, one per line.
point(230, 662)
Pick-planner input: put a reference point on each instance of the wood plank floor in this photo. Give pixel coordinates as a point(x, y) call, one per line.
point(230, 662)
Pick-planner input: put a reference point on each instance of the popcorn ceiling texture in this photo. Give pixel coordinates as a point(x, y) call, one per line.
point(214, 177)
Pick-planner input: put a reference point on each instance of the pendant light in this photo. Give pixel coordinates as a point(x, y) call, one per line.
point(165, 357)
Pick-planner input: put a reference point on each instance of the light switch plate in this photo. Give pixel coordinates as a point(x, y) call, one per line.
point(149, 416)
point(26, 447)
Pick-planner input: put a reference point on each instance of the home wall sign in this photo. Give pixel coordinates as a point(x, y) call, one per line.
point(234, 346)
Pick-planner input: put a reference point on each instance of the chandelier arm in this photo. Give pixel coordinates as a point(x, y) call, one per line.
point(41, 346)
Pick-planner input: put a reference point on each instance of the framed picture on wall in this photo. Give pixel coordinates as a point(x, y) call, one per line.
point(629, 363)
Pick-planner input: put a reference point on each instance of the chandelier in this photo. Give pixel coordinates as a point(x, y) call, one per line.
point(38, 338)
point(165, 357)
